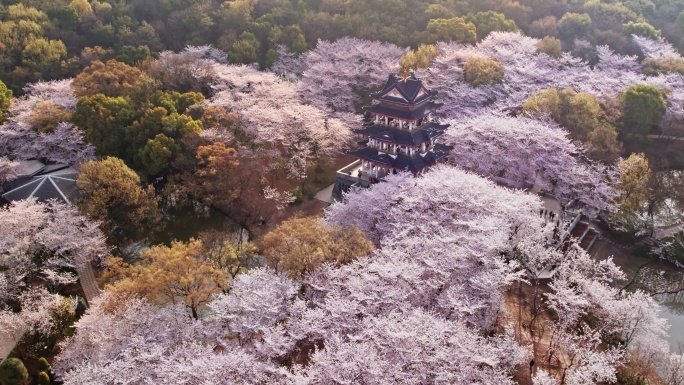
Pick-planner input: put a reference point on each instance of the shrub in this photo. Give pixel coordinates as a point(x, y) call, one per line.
point(13, 372)
point(43, 364)
point(43, 378)
point(478, 71)
point(550, 46)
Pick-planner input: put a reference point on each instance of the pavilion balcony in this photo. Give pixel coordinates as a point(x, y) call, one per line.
point(354, 175)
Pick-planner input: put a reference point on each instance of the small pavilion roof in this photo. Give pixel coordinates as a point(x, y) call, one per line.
point(29, 168)
point(56, 181)
point(409, 91)
point(403, 137)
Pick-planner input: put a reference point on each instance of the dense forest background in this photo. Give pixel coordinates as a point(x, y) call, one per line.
point(243, 110)
point(44, 40)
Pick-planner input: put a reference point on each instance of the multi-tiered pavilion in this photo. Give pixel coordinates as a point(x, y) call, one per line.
point(401, 134)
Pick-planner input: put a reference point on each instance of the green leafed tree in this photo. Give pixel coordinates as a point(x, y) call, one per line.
point(419, 58)
point(43, 378)
point(633, 185)
point(455, 29)
point(5, 99)
point(293, 37)
point(245, 50)
point(643, 106)
point(550, 46)
point(640, 29)
point(133, 55)
point(657, 66)
point(577, 112)
point(157, 153)
point(103, 119)
point(486, 22)
point(574, 25)
point(43, 56)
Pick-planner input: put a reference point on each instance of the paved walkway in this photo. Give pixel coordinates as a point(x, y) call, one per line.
point(665, 137)
point(88, 283)
point(325, 195)
point(7, 341)
point(667, 231)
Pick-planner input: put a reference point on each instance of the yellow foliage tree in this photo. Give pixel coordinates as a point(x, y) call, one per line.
point(478, 71)
point(112, 79)
point(634, 188)
point(214, 180)
point(227, 253)
point(419, 58)
point(583, 116)
point(299, 245)
point(602, 144)
point(170, 275)
point(46, 116)
point(111, 193)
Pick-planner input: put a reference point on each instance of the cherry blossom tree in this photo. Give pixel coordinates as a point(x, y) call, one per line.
point(270, 110)
point(415, 347)
point(18, 139)
point(656, 48)
point(249, 315)
point(207, 52)
point(281, 199)
point(530, 152)
point(527, 71)
point(289, 64)
point(188, 71)
point(125, 338)
point(57, 234)
point(7, 170)
point(456, 219)
point(335, 71)
point(592, 311)
point(40, 312)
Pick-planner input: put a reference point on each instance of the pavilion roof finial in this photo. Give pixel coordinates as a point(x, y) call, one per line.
point(405, 73)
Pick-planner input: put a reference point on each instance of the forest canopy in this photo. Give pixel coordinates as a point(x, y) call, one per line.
point(45, 40)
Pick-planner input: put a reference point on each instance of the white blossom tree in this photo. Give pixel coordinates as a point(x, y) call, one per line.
point(7, 170)
point(138, 342)
point(40, 240)
point(335, 71)
point(19, 140)
point(530, 152)
point(270, 110)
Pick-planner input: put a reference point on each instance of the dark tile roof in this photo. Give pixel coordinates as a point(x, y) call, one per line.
point(401, 162)
point(402, 113)
point(413, 138)
point(29, 167)
point(409, 89)
point(51, 168)
point(58, 182)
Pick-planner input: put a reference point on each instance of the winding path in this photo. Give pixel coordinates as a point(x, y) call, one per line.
point(86, 276)
point(665, 137)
